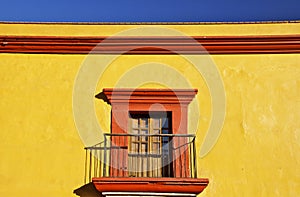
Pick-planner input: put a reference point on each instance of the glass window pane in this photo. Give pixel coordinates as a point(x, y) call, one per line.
point(165, 131)
point(155, 123)
point(134, 147)
point(165, 123)
point(144, 123)
point(155, 148)
point(135, 122)
point(155, 131)
point(144, 132)
point(135, 131)
point(134, 138)
point(166, 139)
point(144, 147)
point(156, 138)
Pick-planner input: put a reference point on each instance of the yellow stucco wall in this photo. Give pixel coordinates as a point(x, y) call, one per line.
point(257, 153)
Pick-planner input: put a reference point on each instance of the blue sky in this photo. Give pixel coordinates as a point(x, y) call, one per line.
point(149, 10)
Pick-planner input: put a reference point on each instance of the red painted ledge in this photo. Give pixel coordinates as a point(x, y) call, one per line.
point(162, 185)
point(268, 44)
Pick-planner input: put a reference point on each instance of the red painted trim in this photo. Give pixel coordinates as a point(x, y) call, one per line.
point(151, 45)
point(167, 185)
point(149, 96)
point(175, 101)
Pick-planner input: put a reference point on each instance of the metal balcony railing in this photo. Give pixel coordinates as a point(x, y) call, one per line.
point(147, 155)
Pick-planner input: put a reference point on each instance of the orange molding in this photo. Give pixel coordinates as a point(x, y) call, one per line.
point(151, 45)
point(149, 96)
point(164, 185)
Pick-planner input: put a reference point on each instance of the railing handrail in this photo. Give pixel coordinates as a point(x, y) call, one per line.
point(132, 134)
point(144, 135)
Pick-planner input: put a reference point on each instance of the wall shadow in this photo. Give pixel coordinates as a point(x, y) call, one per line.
point(102, 96)
point(87, 190)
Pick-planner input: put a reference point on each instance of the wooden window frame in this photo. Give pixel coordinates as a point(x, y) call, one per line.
point(159, 162)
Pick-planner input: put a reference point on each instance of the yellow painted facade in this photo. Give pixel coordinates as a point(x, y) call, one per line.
point(257, 153)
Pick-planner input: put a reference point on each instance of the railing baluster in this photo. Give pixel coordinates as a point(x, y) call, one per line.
point(85, 166)
point(169, 157)
point(168, 162)
point(90, 173)
point(95, 162)
point(104, 167)
point(174, 155)
point(179, 157)
point(190, 146)
point(100, 161)
point(195, 159)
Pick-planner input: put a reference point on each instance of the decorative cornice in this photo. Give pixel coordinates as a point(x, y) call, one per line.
point(281, 44)
point(145, 95)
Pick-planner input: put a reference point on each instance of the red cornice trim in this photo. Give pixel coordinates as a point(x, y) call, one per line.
point(149, 95)
point(164, 185)
point(151, 45)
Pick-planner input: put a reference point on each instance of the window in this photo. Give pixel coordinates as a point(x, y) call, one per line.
point(150, 144)
point(149, 134)
point(147, 143)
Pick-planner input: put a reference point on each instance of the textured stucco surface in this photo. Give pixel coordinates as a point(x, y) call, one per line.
point(257, 153)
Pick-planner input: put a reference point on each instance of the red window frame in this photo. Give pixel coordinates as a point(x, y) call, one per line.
point(174, 101)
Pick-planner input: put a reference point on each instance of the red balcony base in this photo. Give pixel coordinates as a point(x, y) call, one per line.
point(155, 185)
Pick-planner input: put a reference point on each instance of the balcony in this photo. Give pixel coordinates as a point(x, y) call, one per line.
point(148, 151)
point(154, 164)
